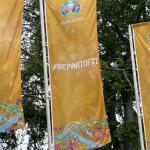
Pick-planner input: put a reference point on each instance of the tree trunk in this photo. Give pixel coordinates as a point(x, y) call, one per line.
point(128, 116)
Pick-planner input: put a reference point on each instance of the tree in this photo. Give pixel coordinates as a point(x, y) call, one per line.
point(113, 20)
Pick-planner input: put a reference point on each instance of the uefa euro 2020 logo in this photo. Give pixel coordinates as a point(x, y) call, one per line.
point(70, 7)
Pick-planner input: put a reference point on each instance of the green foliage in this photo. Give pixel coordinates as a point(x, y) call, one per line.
point(32, 76)
point(114, 16)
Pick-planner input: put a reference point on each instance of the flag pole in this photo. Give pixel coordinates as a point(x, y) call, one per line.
point(46, 77)
point(136, 88)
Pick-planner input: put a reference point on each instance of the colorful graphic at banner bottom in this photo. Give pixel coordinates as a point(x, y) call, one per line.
point(142, 46)
point(11, 113)
point(86, 135)
point(80, 121)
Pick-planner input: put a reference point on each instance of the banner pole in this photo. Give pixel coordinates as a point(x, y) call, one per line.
point(46, 78)
point(136, 88)
point(49, 74)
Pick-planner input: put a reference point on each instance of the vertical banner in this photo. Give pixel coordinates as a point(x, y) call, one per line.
point(80, 120)
point(141, 33)
point(11, 113)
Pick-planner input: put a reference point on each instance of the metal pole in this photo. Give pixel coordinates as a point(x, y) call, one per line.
point(137, 94)
point(50, 87)
point(140, 98)
point(45, 65)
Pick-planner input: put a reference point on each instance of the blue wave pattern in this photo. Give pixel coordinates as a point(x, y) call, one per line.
point(11, 117)
point(9, 123)
point(90, 134)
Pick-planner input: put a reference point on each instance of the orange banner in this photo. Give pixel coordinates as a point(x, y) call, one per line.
point(142, 46)
point(80, 120)
point(11, 113)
